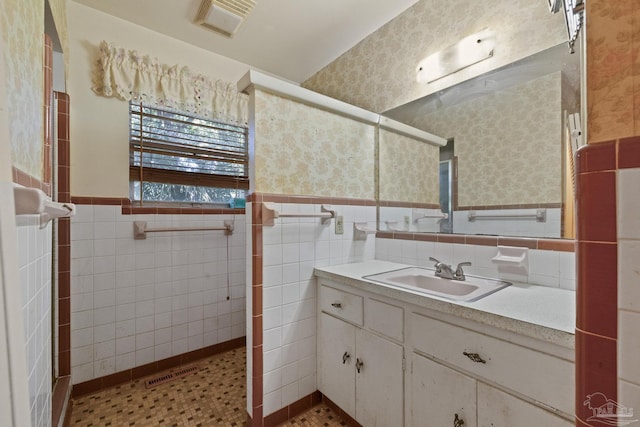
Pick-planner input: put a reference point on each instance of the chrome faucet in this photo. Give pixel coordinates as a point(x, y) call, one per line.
point(442, 270)
point(446, 272)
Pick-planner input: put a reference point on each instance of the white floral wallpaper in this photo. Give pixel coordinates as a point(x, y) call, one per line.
point(379, 73)
point(508, 144)
point(570, 94)
point(304, 150)
point(22, 26)
point(409, 171)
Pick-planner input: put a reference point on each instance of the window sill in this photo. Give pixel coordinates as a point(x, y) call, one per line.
point(133, 208)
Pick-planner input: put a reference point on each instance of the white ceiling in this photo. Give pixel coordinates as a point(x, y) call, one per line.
point(292, 39)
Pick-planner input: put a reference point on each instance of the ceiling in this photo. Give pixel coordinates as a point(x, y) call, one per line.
point(292, 39)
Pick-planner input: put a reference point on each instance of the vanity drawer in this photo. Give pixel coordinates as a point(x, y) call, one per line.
point(386, 319)
point(341, 304)
point(547, 379)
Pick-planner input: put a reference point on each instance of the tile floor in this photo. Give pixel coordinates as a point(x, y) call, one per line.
point(214, 396)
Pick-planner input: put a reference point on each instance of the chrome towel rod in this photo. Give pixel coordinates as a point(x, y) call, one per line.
point(140, 229)
point(540, 216)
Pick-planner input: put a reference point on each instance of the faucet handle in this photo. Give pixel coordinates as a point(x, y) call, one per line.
point(459, 272)
point(438, 265)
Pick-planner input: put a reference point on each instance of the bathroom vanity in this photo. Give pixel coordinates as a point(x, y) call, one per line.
point(390, 356)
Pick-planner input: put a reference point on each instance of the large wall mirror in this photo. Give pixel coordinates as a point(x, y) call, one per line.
point(507, 167)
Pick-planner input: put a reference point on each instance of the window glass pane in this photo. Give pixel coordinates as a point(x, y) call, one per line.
point(157, 192)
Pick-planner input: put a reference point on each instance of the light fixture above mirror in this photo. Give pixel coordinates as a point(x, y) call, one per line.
point(466, 52)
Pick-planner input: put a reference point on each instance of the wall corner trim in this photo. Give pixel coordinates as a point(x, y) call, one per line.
point(254, 79)
point(410, 131)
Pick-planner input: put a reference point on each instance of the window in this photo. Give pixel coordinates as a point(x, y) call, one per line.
point(175, 157)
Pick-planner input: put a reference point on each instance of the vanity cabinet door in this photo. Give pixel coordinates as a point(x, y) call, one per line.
point(379, 382)
point(439, 394)
point(499, 409)
point(336, 362)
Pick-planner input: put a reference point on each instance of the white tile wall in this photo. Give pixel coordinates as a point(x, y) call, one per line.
point(629, 395)
point(292, 248)
point(547, 268)
point(249, 303)
point(134, 302)
point(34, 257)
point(401, 219)
point(628, 226)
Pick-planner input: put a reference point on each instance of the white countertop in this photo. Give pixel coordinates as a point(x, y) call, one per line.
point(539, 312)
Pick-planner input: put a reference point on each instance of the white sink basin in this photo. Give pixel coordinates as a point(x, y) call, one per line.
point(424, 280)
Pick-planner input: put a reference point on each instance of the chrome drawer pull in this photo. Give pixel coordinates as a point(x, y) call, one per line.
point(457, 422)
point(474, 357)
point(346, 356)
point(359, 364)
point(336, 305)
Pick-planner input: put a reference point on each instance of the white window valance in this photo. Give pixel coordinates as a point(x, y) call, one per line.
point(127, 75)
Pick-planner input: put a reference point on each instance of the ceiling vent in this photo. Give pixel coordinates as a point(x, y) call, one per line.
point(223, 16)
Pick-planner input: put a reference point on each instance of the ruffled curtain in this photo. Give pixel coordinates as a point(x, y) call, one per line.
point(127, 75)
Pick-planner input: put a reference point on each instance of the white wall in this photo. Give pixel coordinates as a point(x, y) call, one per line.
point(100, 126)
point(134, 302)
point(14, 401)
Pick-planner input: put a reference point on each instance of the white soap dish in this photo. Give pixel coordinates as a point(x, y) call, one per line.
point(512, 260)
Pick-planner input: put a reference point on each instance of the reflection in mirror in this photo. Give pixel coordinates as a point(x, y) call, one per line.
point(507, 168)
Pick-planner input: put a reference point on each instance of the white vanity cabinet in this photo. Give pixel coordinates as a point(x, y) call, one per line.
point(499, 409)
point(359, 371)
point(440, 395)
point(458, 371)
point(475, 360)
point(336, 362)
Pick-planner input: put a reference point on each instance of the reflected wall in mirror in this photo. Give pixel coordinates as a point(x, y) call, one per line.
point(507, 168)
point(407, 189)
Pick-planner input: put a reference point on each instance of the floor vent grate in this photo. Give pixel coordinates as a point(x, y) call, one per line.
point(171, 376)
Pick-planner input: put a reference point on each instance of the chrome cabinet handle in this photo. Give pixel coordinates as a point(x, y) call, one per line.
point(346, 356)
point(336, 305)
point(359, 364)
point(474, 357)
point(457, 422)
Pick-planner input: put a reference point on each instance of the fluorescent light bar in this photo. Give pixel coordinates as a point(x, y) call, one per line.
point(468, 51)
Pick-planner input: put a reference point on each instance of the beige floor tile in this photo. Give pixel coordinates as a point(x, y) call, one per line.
point(214, 396)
